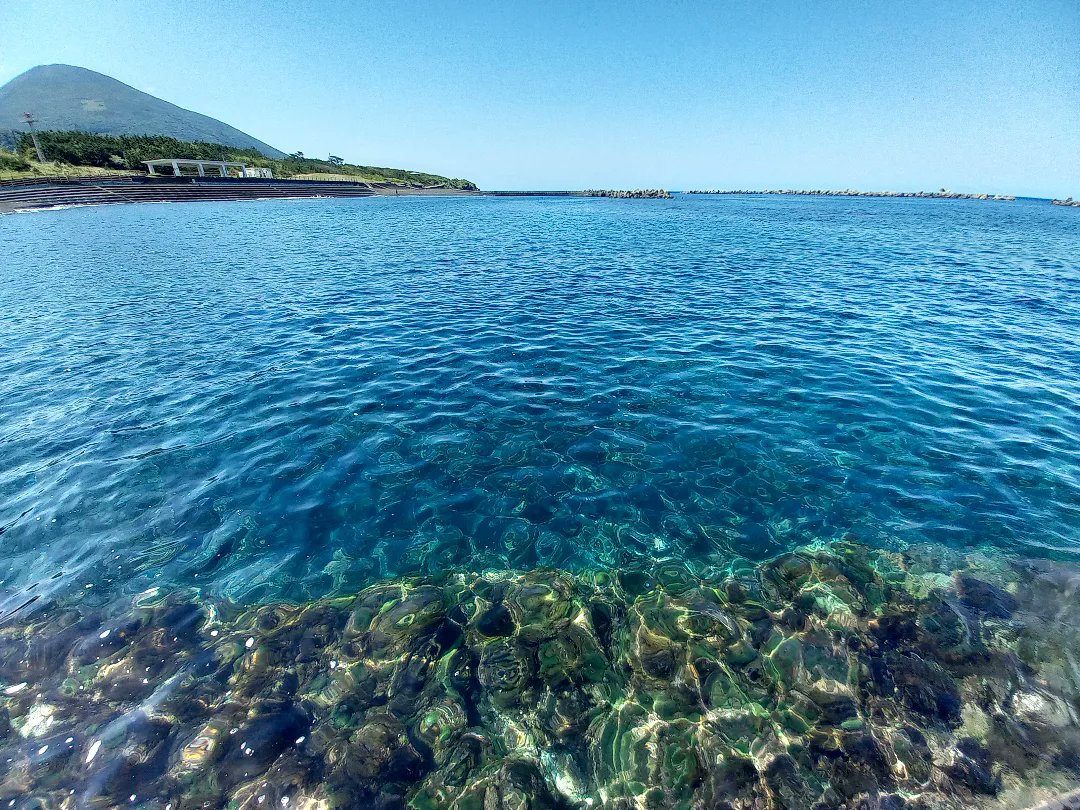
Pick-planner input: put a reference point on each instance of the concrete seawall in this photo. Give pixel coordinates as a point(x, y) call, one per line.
point(54, 193)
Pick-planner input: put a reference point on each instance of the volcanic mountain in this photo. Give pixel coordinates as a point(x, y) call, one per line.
point(63, 97)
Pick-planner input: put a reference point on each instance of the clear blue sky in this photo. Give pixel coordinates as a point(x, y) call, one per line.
point(981, 95)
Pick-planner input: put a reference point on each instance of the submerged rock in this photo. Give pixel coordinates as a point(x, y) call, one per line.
point(985, 597)
point(834, 676)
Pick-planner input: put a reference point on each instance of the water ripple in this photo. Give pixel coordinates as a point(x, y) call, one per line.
point(284, 400)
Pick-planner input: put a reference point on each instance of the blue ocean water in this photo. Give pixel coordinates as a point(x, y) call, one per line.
point(291, 399)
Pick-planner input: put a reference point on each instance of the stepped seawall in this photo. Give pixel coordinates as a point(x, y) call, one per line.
point(23, 195)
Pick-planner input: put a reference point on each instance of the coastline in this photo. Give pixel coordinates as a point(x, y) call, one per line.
point(49, 193)
point(58, 193)
point(20, 196)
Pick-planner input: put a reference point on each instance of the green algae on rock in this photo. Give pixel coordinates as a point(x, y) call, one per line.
point(834, 676)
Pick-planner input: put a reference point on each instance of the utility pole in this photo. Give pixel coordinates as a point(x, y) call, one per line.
point(33, 136)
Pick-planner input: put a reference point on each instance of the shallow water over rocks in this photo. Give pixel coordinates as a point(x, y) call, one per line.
point(835, 676)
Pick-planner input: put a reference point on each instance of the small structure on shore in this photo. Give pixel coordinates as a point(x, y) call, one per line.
point(182, 167)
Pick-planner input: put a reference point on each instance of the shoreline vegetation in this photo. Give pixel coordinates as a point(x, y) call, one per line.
point(75, 151)
point(942, 194)
point(836, 676)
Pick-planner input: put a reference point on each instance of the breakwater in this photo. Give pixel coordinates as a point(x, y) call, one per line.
point(636, 194)
point(930, 195)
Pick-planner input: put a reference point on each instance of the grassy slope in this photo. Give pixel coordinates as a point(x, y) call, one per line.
point(85, 153)
point(33, 170)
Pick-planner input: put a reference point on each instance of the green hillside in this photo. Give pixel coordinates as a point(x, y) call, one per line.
point(120, 152)
point(90, 120)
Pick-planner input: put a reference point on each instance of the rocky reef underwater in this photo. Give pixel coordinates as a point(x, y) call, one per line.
point(836, 676)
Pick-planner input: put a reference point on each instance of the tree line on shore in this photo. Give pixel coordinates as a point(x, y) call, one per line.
point(127, 152)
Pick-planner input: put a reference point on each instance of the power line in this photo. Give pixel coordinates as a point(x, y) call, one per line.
point(33, 136)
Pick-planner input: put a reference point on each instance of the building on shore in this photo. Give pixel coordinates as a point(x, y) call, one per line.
point(182, 167)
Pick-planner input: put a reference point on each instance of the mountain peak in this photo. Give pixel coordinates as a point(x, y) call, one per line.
point(64, 97)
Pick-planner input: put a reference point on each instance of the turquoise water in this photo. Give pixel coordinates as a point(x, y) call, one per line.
point(560, 504)
point(292, 399)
